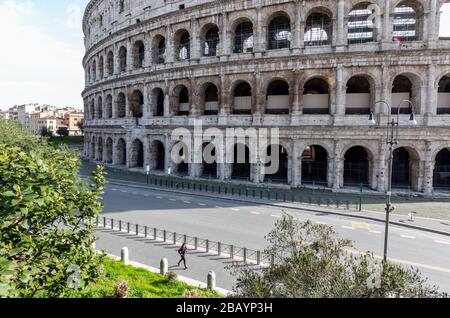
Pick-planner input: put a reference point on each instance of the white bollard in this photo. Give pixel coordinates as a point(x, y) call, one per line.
point(125, 256)
point(164, 266)
point(211, 280)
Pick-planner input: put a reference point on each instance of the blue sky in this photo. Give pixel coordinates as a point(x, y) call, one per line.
point(42, 62)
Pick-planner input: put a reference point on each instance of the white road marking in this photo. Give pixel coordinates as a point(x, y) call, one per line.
point(362, 226)
point(276, 216)
point(187, 202)
point(442, 242)
point(124, 191)
point(173, 200)
point(235, 210)
point(255, 213)
point(348, 227)
point(408, 237)
point(375, 232)
point(114, 190)
point(159, 198)
point(202, 204)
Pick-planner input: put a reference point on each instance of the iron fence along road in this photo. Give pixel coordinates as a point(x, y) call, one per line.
point(233, 252)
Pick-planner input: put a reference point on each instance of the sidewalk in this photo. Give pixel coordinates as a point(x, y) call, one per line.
point(437, 226)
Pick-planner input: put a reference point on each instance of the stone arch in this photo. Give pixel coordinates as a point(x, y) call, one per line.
point(210, 39)
point(315, 161)
point(210, 98)
point(94, 70)
point(443, 102)
point(123, 59)
point(279, 34)
point(99, 155)
point(181, 100)
point(360, 94)
point(157, 156)
point(408, 20)
point(92, 109)
point(108, 150)
point(406, 86)
point(137, 104)
point(441, 173)
point(158, 99)
point(93, 147)
point(241, 166)
point(121, 105)
point(318, 27)
point(137, 154)
point(316, 95)
point(281, 175)
point(358, 166)
point(182, 40)
point(100, 107)
point(209, 161)
point(158, 49)
point(101, 67)
point(138, 54)
point(278, 96)
point(243, 35)
point(110, 63)
point(109, 106)
point(121, 152)
point(360, 28)
point(406, 167)
point(242, 93)
point(181, 158)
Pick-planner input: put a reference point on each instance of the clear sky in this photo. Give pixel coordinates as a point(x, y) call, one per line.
point(42, 49)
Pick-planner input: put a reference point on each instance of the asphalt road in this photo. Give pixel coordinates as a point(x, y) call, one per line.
point(246, 225)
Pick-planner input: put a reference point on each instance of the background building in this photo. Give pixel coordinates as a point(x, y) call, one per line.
point(315, 69)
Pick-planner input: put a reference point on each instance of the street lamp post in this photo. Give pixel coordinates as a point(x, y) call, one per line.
point(392, 129)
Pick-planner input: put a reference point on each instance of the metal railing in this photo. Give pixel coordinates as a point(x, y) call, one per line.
point(233, 252)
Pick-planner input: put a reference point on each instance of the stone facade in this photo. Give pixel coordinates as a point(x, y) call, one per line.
point(314, 69)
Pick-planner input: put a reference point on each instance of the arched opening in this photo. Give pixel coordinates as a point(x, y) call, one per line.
point(93, 147)
point(279, 33)
point(277, 168)
point(243, 38)
point(444, 96)
point(210, 41)
point(318, 29)
point(408, 21)
point(316, 99)
point(101, 67)
point(110, 63)
point(122, 59)
point(158, 102)
point(401, 169)
point(183, 45)
point(109, 150)
point(94, 71)
point(157, 156)
point(361, 28)
point(159, 49)
point(211, 100)
point(402, 91)
point(137, 154)
point(137, 104)
point(100, 108)
point(121, 105)
point(358, 97)
point(109, 106)
point(100, 149)
point(315, 166)
point(138, 54)
point(209, 161)
point(88, 74)
point(278, 98)
point(121, 152)
point(356, 167)
point(441, 176)
point(181, 153)
point(92, 110)
point(183, 99)
point(241, 164)
point(242, 104)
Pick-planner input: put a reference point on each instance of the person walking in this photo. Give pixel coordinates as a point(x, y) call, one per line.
point(182, 251)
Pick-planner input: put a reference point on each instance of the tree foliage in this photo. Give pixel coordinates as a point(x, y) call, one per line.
point(310, 261)
point(47, 217)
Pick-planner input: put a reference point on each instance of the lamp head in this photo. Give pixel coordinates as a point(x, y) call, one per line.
point(412, 120)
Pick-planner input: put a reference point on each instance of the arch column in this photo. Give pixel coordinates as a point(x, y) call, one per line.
point(169, 54)
point(387, 26)
point(259, 36)
point(382, 171)
point(168, 149)
point(115, 158)
point(428, 165)
point(431, 108)
point(129, 56)
point(195, 40)
point(338, 168)
point(340, 93)
point(296, 170)
point(146, 149)
point(166, 103)
point(340, 41)
point(225, 44)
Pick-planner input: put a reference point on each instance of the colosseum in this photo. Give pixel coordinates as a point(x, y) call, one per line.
point(314, 69)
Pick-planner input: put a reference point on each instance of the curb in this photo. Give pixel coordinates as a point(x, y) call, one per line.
point(186, 280)
point(416, 227)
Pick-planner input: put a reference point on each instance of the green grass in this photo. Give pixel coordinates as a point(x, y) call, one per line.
point(142, 283)
point(73, 140)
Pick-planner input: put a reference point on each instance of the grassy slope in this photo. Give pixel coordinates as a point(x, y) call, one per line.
point(143, 284)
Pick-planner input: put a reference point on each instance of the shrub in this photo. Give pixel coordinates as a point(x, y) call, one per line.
point(171, 276)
